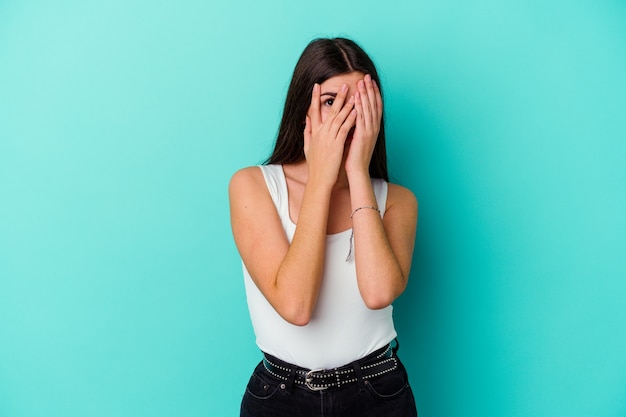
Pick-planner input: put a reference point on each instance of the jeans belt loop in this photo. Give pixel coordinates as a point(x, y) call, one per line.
point(358, 373)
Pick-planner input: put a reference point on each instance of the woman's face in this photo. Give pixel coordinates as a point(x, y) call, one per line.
point(331, 87)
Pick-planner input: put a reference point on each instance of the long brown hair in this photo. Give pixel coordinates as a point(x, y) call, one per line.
point(321, 60)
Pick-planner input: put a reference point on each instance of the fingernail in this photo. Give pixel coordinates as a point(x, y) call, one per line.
point(368, 77)
point(351, 100)
point(344, 88)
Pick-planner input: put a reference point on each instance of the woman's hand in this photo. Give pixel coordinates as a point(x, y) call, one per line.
point(369, 110)
point(324, 140)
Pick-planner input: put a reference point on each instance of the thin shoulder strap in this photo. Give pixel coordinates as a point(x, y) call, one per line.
point(380, 190)
point(277, 186)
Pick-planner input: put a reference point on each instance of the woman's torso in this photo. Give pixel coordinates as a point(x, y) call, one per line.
point(342, 328)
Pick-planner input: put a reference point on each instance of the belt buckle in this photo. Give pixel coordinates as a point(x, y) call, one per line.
point(308, 378)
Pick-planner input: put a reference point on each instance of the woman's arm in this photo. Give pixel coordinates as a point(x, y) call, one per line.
point(383, 248)
point(289, 275)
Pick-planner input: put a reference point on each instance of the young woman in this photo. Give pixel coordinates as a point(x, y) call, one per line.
point(326, 244)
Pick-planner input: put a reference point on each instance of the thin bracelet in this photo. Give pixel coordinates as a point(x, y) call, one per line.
point(364, 207)
point(352, 233)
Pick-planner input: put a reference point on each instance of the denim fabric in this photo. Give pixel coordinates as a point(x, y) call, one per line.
point(388, 395)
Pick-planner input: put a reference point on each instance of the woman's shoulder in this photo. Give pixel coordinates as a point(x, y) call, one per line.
point(246, 179)
point(398, 194)
point(258, 174)
point(247, 173)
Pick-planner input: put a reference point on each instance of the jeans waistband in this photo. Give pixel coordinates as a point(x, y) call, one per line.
point(371, 366)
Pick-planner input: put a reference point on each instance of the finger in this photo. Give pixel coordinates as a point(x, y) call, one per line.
point(371, 97)
point(379, 100)
point(358, 105)
point(342, 116)
point(335, 109)
point(365, 104)
point(314, 109)
point(307, 133)
point(347, 125)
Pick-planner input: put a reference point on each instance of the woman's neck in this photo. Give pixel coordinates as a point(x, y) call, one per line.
point(300, 172)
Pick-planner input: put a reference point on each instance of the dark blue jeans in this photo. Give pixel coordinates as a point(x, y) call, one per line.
point(388, 395)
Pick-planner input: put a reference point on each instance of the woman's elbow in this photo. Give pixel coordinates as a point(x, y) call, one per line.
point(300, 320)
point(296, 316)
point(379, 298)
point(378, 301)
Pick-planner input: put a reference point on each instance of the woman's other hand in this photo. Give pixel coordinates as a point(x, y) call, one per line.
point(369, 110)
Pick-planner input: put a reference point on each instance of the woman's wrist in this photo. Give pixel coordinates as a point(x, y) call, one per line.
point(321, 180)
point(361, 190)
point(358, 175)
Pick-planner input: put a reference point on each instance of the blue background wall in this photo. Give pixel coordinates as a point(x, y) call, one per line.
point(121, 122)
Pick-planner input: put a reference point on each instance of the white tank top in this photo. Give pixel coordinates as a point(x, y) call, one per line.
point(342, 329)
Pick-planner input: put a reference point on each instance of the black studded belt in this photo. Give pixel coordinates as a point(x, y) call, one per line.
point(374, 365)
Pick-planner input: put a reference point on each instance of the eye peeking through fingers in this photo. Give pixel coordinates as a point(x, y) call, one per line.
point(328, 98)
